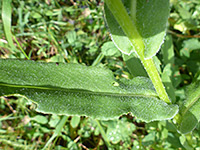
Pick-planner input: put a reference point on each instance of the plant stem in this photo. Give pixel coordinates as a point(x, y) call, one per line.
point(129, 27)
point(21, 48)
point(58, 130)
point(156, 80)
point(103, 134)
point(98, 59)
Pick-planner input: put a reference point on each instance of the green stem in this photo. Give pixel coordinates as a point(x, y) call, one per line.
point(98, 59)
point(58, 130)
point(21, 48)
point(129, 27)
point(103, 134)
point(156, 80)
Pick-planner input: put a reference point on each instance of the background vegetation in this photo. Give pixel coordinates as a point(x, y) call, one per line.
point(74, 31)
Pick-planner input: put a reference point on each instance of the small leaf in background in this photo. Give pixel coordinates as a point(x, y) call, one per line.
point(118, 130)
point(193, 64)
point(71, 37)
point(149, 139)
point(163, 132)
point(134, 65)
point(36, 15)
point(57, 58)
point(173, 139)
point(40, 119)
point(189, 114)
point(185, 143)
point(168, 83)
point(109, 49)
point(189, 46)
point(168, 51)
point(186, 19)
point(54, 120)
point(87, 127)
point(75, 121)
point(176, 77)
point(157, 63)
point(184, 13)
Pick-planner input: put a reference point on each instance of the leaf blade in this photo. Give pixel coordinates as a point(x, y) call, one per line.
point(150, 25)
point(95, 96)
point(6, 17)
point(189, 114)
point(152, 20)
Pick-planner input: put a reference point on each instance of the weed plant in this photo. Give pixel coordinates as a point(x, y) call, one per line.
point(75, 32)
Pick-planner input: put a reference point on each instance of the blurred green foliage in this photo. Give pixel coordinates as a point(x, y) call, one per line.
point(74, 31)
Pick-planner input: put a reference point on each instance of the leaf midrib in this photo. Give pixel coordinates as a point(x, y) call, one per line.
point(73, 90)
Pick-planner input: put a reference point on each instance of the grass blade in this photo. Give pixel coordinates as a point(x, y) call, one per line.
point(57, 131)
point(6, 17)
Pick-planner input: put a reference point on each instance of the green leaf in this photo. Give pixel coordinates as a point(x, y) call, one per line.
point(168, 60)
point(150, 18)
point(71, 36)
point(54, 121)
point(118, 36)
point(36, 15)
point(109, 49)
point(118, 130)
point(134, 65)
point(129, 27)
point(185, 143)
point(149, 139)
point(40, 119)
point(167, 82)
point(6, 18)
point(72, 89)
point(75, 121)
point(189, 114)
point(189, 46)
point(168, 51)
point(57, 131)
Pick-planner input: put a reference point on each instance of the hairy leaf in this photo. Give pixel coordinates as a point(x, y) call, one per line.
point(134, 65)
point(167, 82)
point(189, 114)
point(168, 51)
point(149, 17)
point(109, 49)
point(72, 89)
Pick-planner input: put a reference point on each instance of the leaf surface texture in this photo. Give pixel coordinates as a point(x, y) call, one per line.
point(73, 89)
